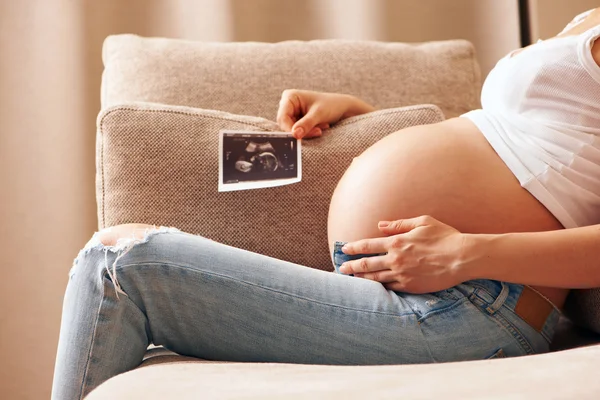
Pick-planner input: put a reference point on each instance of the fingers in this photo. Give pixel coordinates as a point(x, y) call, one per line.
point(384, 276)
point(317, 131)
point(307, 123)
point(404, 225)
point(367, 246)
point(301, 114)
point(364, 265)
point(286, 123)
point(289, 109)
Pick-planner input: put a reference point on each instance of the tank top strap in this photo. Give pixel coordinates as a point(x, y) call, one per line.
point(584, 50)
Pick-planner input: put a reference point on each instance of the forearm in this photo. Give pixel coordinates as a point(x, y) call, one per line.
point(356, 106)
point(567, 258)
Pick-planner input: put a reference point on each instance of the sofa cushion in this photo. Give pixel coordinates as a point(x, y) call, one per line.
point(568, 336)
point(158, 164)
point(248, 78)
point(583, 308)
point(562, 375)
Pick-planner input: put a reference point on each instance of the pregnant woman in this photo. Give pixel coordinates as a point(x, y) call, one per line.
point(455, 240)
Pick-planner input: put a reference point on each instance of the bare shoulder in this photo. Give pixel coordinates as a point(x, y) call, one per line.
point(581, 24)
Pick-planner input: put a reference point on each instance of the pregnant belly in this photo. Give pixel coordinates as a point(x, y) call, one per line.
point(447, 170)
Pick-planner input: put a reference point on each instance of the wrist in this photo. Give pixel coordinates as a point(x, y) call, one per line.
point(476, 256)
point(356, 107)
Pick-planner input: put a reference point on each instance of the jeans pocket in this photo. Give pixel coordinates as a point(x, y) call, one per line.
point(497, 354)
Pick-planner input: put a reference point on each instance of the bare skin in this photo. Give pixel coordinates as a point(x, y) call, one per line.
point(110, 237)
point(447, 170)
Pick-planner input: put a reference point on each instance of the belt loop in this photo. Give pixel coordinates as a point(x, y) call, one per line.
point(495, 306)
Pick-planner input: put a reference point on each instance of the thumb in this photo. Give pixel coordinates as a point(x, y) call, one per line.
point(285, 122)
point(399, 226)
point(305, 124)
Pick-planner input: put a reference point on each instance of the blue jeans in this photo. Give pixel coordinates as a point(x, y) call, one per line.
point(204, 299)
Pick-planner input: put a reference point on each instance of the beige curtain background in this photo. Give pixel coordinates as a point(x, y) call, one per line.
point(50, 66)
point(548, 16)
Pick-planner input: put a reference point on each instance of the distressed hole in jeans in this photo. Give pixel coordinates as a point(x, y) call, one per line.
point(121, 247)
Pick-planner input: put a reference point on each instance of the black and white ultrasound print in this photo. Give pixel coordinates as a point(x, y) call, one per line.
point(253, 160)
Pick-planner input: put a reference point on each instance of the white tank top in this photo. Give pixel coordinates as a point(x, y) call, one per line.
point(541, 114)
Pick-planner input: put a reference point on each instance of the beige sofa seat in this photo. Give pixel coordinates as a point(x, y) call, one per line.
point(561, 375)
point(146, 77)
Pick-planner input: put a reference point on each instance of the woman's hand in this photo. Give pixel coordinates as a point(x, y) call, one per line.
point(306, 113)
point(423, 256)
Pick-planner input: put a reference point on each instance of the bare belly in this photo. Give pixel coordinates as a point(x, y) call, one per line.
point(447, 170)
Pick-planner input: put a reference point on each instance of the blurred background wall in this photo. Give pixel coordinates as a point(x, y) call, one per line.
point(50, 67)
point(548, 16)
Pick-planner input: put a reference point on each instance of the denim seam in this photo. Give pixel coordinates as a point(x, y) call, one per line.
point(140, 307)
point(544, 335)
point(541, 333)
point(87, 361)
point(482, 288)
point(454, 296)
point(425, 340)
point(502, 321)
point(516, 332)
point(448, 308)
point(486, 290)
point(190, 268)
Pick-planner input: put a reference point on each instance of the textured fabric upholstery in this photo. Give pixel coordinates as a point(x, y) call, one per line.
point(159, 165)
point(583, 308)
point(248, 78)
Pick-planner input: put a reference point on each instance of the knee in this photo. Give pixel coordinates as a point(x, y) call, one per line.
point(111, 243)
point(110, 236)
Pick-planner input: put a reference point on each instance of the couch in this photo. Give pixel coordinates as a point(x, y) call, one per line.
point(163, 103)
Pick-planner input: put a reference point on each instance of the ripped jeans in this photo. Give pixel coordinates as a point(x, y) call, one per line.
point(204, 299)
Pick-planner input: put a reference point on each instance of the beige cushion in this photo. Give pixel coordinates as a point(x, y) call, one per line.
point(248, 78)
point(560, 375)
point(158, 164)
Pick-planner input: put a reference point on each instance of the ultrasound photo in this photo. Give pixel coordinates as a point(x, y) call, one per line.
point(252, 160)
